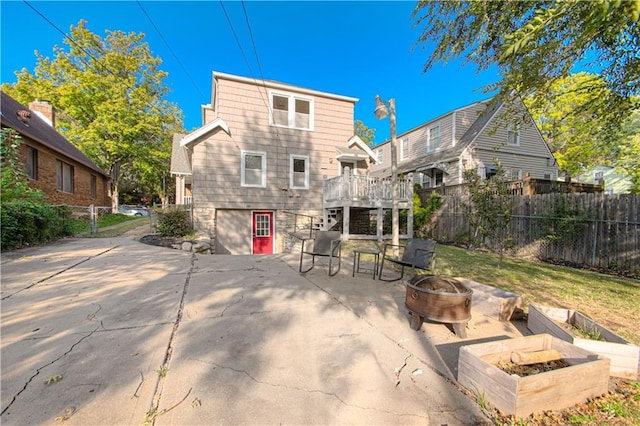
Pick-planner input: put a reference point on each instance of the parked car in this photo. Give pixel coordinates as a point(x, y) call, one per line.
point(133, 210)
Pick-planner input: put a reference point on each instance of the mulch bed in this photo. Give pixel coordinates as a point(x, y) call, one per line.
point(159, 240)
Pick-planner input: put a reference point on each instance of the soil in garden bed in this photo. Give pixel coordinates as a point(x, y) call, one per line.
point(529, 370)
point(580, 332)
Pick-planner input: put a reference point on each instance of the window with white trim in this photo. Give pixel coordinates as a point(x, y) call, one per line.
point(513, 135)
point(404, 149)
point(433, 138)
point(380, 155)
point(299, 172)
point(291, 111)
point(253, 169)
point(64, 177)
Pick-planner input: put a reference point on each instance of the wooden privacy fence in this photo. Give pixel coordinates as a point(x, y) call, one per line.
point(597, 230)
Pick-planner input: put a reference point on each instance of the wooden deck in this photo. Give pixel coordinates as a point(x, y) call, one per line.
point(349, 191)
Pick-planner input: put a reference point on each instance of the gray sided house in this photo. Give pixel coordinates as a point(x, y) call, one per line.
point(471, 137)
point(261, 157)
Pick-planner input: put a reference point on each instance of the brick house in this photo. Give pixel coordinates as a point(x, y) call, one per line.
point(54, 165)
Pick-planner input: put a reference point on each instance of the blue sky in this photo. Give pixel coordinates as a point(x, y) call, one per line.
point(356, 49)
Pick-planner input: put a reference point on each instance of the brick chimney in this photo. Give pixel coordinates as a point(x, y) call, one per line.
point(44, 109)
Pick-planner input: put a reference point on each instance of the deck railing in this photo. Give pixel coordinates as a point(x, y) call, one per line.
point(365, 188)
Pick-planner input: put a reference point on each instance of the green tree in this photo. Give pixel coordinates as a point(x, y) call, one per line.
point(534, 43)
point(575, 134)
point(365, 133)
point(13, 176)
point(488, 210)
point(578, 136)
point(110, 100)
point(627, 158)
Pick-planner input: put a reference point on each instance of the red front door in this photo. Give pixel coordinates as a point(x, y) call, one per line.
point(262, 232)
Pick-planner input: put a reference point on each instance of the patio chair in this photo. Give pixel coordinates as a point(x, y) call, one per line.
point(417, 254)
point(325, 244)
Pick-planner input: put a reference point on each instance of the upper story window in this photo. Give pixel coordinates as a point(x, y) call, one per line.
point(380, 155)
point(253, 169)
point(32, 163)
point(64, 177)
point(513, 136)
point(299, 172)
point(291, 111)
point(404, 149)
point(433, 138)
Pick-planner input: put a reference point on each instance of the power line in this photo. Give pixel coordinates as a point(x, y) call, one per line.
point(264, 85)
point(233, 31)
point(66, 36)
point(75, 43)
point(253, 42)
point(171, 50)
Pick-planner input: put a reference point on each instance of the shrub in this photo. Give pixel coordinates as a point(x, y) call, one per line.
point(174, 223)
point(26, 222)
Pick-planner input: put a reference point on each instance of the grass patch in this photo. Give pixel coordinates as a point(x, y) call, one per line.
point(611, 301)
point(109, 225)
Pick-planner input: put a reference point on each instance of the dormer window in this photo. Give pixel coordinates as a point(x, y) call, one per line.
point(291, 111)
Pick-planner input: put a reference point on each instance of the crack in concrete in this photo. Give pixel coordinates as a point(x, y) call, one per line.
point(340, 336)
point(208, 271)
point(390, 338)
point(24, 388)
point(231, 304)
point(92, 315)
point(103, 329)
point(157, 393)
point(296, 388)
point(399, 370)
point(58, 273)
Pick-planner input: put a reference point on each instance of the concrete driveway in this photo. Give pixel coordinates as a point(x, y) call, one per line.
point(112, 331)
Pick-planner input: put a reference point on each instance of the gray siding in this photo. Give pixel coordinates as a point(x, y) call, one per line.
point(221, 200)
point(244, 107)
point(531, 156)
point(234, 232)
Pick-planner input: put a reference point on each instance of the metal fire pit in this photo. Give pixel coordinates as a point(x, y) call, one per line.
point(440, 299)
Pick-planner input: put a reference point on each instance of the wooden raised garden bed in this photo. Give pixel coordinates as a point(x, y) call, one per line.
point(585, 376)
point(574, 327)
point(493, 302)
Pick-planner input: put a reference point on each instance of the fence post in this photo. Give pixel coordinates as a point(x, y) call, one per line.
point(595, 244)
point(94, 219)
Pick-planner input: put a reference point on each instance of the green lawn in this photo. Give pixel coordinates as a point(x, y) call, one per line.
point(612, 301)
point(109, 225)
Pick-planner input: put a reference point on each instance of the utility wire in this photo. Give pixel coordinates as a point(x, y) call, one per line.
point(263, 84)
point(75, 43)
point(66, 36)
point(253, 42)
point(267, 104)
point(171, 50)
point(246, 61)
